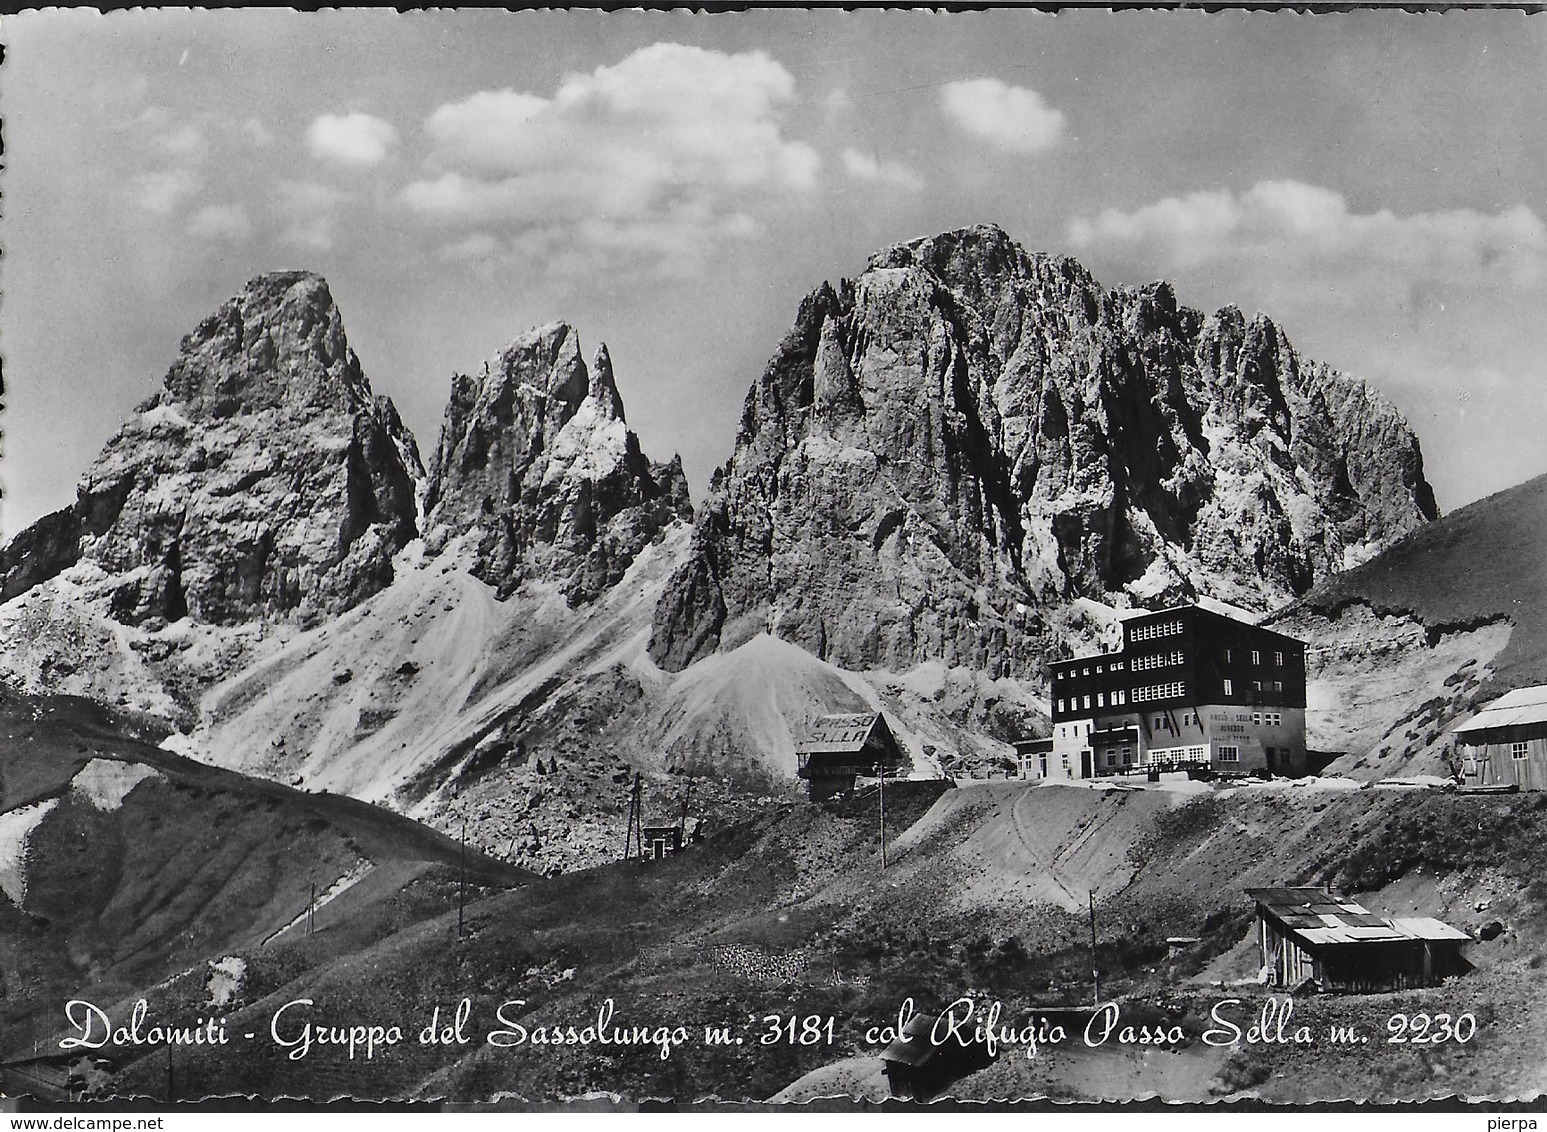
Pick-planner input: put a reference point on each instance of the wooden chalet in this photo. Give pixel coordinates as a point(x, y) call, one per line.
point(838, 749)
point(1504, 745)
point(916, 1067)
point(1309, 938)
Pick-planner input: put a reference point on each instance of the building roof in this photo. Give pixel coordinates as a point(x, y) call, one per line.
point(1318, 916)
point(1512, 709)
point(1218, 615)
point(1130, 618)
point(914, 1045)
point(1426, 927)
point(917, 1048)
point(841, 734)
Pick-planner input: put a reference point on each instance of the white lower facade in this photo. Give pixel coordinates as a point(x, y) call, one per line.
point(1228, 738)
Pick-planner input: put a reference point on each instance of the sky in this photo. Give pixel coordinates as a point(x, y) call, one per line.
point(673, 183)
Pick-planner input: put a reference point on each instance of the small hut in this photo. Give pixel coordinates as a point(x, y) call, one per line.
point(840, 748)
point(1310, 938)
point(1031, 757)
point(918, 1067)
point(661, 841)
point(1504, 746)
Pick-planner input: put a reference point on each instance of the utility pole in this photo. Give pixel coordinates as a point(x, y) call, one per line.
point(462, 880)
point(311, 906)
point(171, 1095)
point(634, 836)
point(682, 822)
point(881, 773)
point(1095, 973)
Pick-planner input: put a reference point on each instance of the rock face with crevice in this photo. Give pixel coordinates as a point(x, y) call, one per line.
point(968, 436)
point(262, 481)
point(536, 460)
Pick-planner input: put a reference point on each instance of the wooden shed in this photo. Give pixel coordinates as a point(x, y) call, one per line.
point(1311, 938)
point(838, 749)
point(1505, 744)
point(918, 1067)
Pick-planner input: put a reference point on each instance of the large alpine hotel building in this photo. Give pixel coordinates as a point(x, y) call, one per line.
point(1190, 687)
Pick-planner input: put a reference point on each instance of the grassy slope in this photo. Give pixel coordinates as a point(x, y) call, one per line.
point(195, 863)
point(1484, 562)
point(791, 913)
point(787, 913)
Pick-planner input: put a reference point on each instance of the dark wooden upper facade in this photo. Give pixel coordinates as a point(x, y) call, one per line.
point(1178, 657)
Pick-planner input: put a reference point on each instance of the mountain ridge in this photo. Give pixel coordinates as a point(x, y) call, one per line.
point(968, 433)
point(954, 467)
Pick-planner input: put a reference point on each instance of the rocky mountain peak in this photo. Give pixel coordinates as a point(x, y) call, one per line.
point(280, 341)
point(263, 479)
point(945, 451)
point(536, 460)
point(603, 390)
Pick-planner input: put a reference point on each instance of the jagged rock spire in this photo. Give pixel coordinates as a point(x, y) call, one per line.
point(536, 461)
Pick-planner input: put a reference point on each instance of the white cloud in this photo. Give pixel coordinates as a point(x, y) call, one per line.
point(184, 154)
point(1294, 224)
point(657, 155)
point(221, 222)
point(163, 191)
point(306, 209)
point(1011, 117)
point(863, 167)
point(184, 142)
point(256, 133)
point(350, 139)
point(478, 246)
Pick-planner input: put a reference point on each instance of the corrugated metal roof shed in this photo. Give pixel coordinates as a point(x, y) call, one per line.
point(1512, 709)
point(1424, 927)
point(1317, 916)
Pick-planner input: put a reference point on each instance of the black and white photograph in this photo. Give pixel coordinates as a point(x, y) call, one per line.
point(788, 558)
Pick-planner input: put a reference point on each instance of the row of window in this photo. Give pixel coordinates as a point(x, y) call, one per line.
point(1158, 660)
point(1114, 666)
point(1127, 757)
point(1227, 754)
point(1157, 629)
point(1176, 688)
point(1119, 698)
point(1256, 654)
point(1257, 686)
point(1177, 754)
